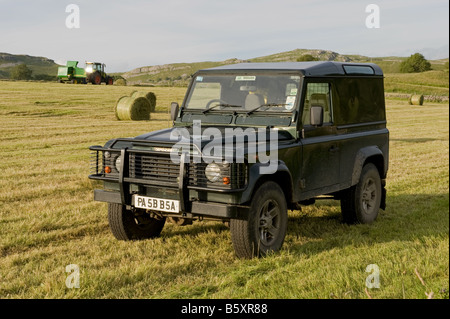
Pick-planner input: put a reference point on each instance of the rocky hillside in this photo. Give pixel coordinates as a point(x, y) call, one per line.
point(39, 65)
point(179, 73)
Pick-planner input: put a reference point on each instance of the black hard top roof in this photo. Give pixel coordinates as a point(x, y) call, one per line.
point(317, 68)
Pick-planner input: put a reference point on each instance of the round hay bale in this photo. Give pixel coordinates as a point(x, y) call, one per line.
point(135, 109)
point(115, 107)
point(121, 82)
point(150, 96)
point(416, 100)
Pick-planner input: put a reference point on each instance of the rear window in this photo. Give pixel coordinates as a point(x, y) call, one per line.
point(358, 69)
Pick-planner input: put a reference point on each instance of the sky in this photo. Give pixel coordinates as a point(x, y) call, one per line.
point(135, 33)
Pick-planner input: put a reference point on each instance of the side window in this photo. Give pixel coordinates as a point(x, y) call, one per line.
point(318, 94)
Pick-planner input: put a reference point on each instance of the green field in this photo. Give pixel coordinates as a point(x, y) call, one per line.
point(48, 218)
point(426, 83)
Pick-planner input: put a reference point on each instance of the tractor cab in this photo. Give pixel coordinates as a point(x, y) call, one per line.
point(91, 67)
point(95, 73)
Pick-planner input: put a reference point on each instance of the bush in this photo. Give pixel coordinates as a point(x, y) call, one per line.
point(21, 72)
point(307, 57)
point(415, 63)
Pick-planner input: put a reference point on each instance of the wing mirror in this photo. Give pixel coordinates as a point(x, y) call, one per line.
point(174, 108)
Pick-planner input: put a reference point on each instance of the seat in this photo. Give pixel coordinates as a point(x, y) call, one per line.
point(320, 99)
point(252, 101)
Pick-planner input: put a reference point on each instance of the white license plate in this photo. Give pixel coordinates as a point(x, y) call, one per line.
point(159, 204)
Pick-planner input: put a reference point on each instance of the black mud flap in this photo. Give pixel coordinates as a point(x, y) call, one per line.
point(383, 198)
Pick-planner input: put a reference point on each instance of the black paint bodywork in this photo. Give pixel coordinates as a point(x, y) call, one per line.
point(312, 160)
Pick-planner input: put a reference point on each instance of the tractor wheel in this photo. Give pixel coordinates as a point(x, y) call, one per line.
point(110, 81)
point(96, 78)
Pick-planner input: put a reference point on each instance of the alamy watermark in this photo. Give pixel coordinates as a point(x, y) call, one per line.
point(373, 19)
point(73, 279)
point(230, 145)
point(373, 280)
point(73, 19)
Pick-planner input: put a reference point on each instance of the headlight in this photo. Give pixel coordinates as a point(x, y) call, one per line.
point(118, 163)
point(212, 172)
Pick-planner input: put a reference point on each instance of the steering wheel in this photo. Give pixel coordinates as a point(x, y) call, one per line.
point(208, 105)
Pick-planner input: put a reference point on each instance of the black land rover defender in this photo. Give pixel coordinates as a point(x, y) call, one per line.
point(249, 142)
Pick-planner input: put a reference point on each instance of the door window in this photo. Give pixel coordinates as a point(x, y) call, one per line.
point(317, 94)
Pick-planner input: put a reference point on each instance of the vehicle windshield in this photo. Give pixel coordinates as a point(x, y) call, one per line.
point(244, 93)
point(93, 66)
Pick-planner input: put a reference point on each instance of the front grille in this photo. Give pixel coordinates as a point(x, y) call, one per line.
point(154, 167)
point(159, 169)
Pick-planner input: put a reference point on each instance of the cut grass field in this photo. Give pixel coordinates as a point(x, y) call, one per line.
point(48, 218)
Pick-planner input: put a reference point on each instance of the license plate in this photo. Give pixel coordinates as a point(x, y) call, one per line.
point(159, 204)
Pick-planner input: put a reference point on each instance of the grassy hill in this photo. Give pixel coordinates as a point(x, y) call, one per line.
point(435, 82)
point(178, 74)
point(39, 65)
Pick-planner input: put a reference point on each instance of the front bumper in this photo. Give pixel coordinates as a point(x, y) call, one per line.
point(197, 208)
point(209, 204)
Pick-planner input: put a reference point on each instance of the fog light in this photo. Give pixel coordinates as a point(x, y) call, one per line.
point(107, 169)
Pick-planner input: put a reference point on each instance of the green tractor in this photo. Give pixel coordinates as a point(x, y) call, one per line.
point(94, 73)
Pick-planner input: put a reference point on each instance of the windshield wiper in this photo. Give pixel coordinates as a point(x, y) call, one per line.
point(220, 104)
point(262, 105)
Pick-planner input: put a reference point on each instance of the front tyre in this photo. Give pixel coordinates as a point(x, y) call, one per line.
point(125, 225)
point(361, 203)
point(264, 229)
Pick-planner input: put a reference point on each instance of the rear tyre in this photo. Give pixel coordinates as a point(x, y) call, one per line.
point(96, 78)
point(361, 203)
point(264, 229)
point(125, 225)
